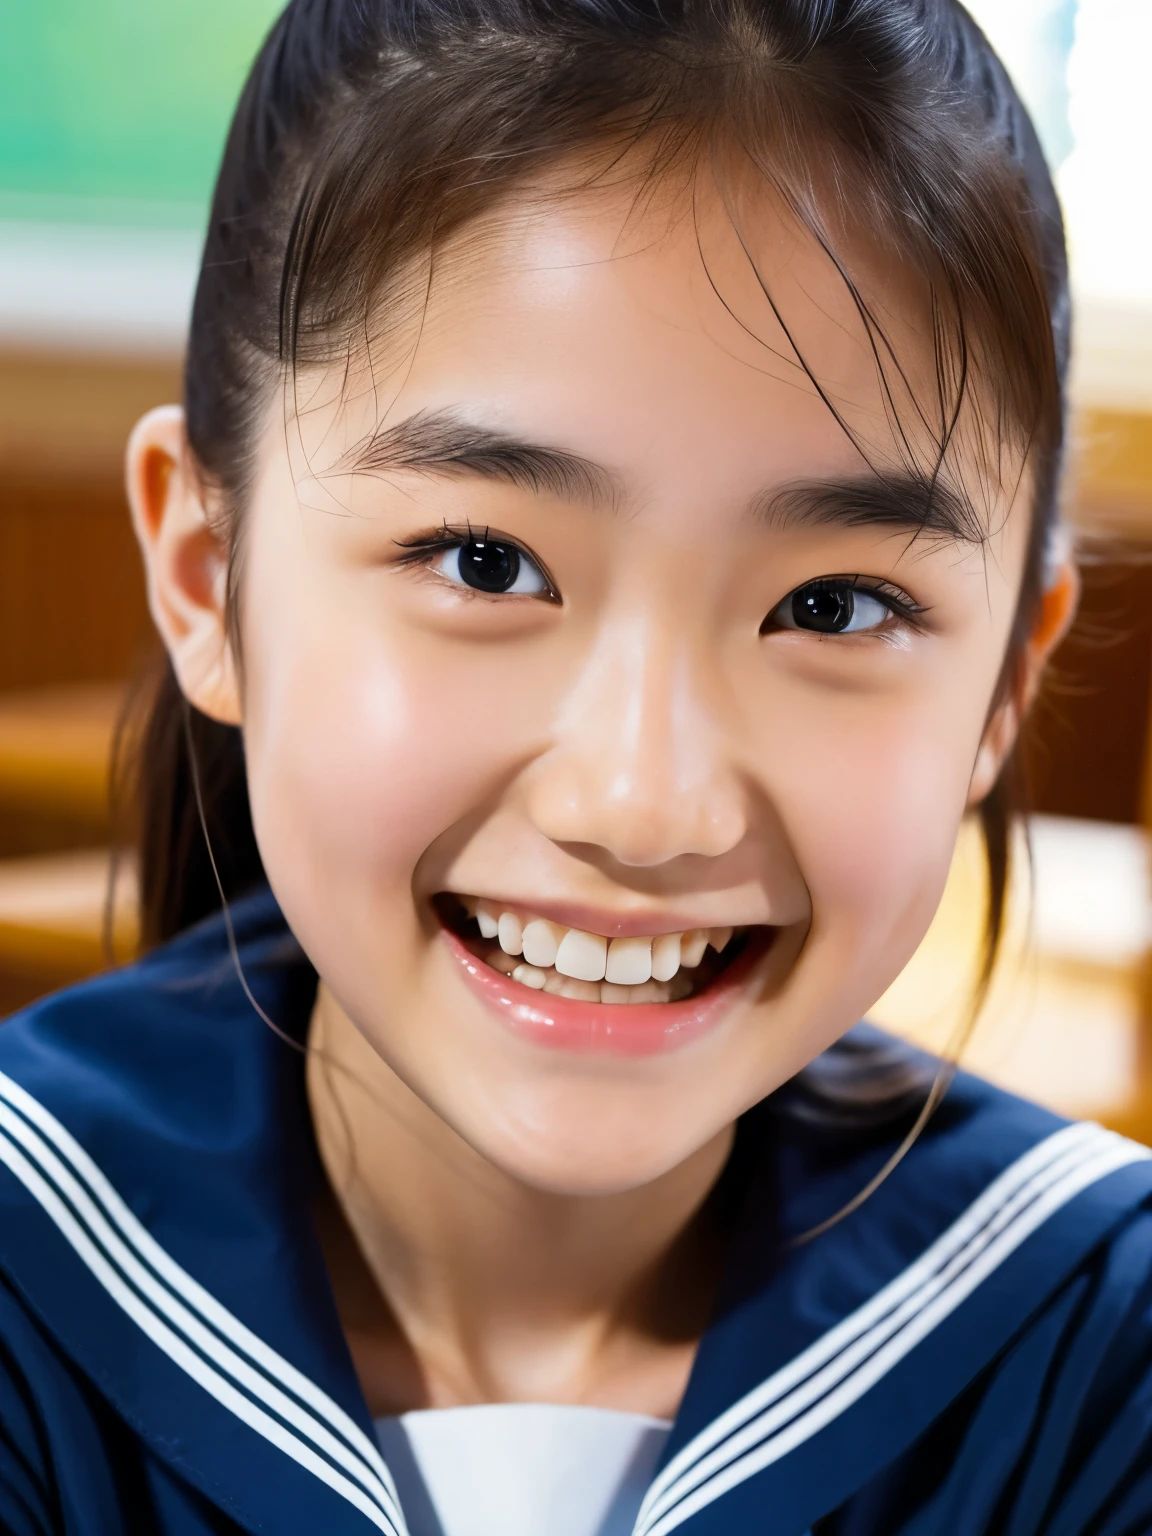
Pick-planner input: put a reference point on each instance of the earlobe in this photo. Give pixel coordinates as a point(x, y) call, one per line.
point(185, 562)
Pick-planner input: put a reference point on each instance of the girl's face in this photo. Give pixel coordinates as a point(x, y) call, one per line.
point(576, 612)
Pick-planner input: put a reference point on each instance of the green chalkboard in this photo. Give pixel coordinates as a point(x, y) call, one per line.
point(116, 110)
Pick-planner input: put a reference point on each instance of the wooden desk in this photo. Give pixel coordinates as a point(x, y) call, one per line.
point(1110, 480)
point(58, 923)
point(55, 750)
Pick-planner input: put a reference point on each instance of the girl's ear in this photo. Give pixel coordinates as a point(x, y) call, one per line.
point(1055, 615)
point(185, 561)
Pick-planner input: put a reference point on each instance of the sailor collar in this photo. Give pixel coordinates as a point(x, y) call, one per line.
point(157, 1171)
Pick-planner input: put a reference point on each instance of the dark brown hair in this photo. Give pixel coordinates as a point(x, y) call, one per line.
point(370, 131)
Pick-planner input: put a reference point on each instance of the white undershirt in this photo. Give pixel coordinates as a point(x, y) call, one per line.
point(521, 1469)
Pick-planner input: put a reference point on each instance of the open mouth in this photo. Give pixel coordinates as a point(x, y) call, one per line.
point(588, 967)
point(578, 989)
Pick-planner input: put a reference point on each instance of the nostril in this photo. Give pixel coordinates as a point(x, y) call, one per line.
point(639, 821)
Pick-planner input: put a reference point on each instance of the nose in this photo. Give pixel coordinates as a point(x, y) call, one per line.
point(639, 764)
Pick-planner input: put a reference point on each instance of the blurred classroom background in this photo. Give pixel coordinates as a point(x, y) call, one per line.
point(112, 116)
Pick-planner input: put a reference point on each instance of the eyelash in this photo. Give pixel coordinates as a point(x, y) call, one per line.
point(894, 598)
point(904, 609)
point(422, 546)
point(422, 549)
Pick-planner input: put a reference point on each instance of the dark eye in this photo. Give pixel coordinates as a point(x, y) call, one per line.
point(830, 608)
point(491, 565)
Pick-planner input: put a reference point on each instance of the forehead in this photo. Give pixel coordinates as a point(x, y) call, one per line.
point(662, 331)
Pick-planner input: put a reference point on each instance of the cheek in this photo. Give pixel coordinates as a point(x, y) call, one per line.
point(363, 750)
point(894, 809)
point(872, 796)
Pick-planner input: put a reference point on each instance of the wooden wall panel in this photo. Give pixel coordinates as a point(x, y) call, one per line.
point(1086, 746)
point(72, 606)
point(1086, 741)
point(71, 591)
point(68, 418)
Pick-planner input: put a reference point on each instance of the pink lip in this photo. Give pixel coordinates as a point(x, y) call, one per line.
point(613, 1029)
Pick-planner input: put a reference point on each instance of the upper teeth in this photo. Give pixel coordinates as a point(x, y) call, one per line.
point(590, 956)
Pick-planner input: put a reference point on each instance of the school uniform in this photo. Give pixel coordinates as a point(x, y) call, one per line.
point(969, 1352)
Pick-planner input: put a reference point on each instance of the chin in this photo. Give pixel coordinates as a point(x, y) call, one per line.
point(590, 1137)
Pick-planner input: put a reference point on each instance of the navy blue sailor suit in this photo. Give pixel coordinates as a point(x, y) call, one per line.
point(967, 1352)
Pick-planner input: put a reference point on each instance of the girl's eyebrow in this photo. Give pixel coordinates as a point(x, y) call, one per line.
point(445, 442)
point(903, 502)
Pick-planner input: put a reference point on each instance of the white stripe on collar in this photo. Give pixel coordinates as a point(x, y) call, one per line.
point(183, 1319)
point(833, 1373)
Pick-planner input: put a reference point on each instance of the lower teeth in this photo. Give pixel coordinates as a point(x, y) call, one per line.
point(551, 980)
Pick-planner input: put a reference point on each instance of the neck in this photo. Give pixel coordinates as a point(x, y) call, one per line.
point(458, 1283)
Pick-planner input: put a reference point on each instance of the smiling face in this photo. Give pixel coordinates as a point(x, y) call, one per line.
point(576, 618)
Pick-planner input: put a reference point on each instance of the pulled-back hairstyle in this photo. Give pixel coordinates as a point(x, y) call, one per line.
point(370, 131)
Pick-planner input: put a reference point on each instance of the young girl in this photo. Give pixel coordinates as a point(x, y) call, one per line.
point(608, 545)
